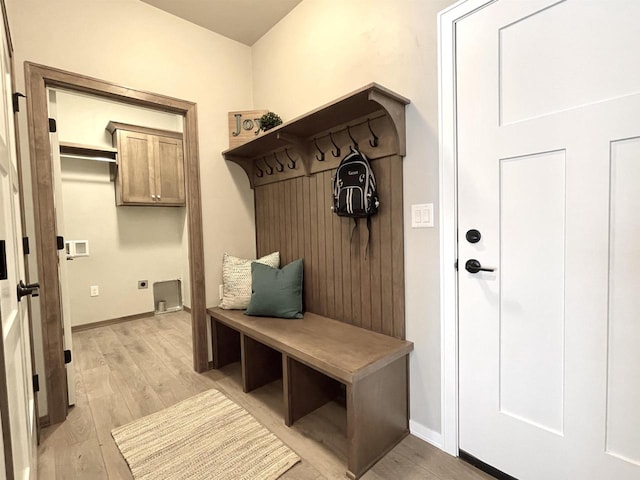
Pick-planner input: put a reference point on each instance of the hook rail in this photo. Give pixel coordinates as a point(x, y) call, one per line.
point(291, 163)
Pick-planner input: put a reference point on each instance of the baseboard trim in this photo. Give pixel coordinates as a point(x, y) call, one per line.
point(44, 421)
point(186, 309)
point(112, 321)
point(426, 434)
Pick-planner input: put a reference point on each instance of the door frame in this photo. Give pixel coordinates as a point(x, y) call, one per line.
point(448, 182)
point(37, 79)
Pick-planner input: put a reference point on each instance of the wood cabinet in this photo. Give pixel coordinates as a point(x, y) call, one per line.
point(150, 165)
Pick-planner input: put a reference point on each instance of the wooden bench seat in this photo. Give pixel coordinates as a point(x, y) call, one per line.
point(314, 355)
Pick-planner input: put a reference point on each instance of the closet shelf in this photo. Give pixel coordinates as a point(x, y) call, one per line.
point(88, 151)
point(372, 112)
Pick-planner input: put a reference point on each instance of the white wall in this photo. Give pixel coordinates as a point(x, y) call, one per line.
point(322, 50)
point(126, 244)
point(131, 43)
point(83, 118)
point(326, 48)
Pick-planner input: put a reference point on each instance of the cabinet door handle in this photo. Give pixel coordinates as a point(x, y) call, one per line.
point(158, 197)
point(153, 197)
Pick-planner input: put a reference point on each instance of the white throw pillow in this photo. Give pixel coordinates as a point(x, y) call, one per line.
point(236, 279)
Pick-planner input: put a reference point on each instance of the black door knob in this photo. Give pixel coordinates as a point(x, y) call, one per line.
point(473, 236)
point(474, 266)
point(29, 289)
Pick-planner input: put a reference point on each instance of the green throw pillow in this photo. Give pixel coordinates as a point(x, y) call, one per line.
point(276, 292)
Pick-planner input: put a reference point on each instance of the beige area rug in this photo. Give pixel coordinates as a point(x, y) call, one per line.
point(204, 437)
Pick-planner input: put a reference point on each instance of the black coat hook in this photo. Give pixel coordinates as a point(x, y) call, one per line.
point(279, 166)
point(336, 152)
point(353, 140)
point(261, 174)
point(292, 163)
point(321, 158)
point(269, 169)
point(374, 142)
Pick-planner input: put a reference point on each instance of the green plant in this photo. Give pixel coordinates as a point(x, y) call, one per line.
point(269, 120)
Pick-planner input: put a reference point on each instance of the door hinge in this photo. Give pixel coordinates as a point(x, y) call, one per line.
point(60, 242)
point(53, 128)
point(67, 357)
point(36, 383)
point(16, 101)
point(3, 261)
point(25, 246)
point(456, 265)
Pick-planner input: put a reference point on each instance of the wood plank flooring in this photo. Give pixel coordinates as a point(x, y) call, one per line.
point(132, 369)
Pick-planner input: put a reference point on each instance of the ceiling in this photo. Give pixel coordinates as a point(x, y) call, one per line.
point(242, 20)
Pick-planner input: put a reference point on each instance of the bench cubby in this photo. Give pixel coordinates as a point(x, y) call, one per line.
point(315, 356)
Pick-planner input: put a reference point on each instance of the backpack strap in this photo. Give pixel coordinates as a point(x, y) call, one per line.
point(353, 229)
point(366, 248)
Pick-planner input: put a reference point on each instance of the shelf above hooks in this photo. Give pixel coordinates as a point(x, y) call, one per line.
point(349, 120)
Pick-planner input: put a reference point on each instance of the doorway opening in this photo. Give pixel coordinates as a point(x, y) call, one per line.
point(38, 79)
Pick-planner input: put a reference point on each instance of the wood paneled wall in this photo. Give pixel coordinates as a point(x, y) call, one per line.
point(341, 279)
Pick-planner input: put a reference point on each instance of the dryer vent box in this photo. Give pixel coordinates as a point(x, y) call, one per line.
point(167, 296)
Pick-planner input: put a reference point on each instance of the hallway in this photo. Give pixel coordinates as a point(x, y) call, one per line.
point(129, 370)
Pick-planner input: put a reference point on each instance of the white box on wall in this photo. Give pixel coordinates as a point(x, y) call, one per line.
point(77, 248)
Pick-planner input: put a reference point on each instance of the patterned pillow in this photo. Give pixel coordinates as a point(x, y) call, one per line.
point(236, 279)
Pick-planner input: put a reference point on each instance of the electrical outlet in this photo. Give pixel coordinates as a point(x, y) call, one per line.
point(143, 284)
point(95, 291)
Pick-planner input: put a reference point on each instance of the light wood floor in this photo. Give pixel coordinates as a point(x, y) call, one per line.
point(132, 369)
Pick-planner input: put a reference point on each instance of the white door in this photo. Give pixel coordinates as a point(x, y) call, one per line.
point(548, 112)
point(65, 297)
point(16, 376)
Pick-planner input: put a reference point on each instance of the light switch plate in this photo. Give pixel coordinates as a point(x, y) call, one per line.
point(422, 215)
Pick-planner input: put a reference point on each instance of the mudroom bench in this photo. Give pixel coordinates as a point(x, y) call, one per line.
point(314, 356)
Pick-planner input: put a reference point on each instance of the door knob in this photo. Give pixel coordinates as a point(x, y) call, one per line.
point(29, 289)
point(473, 236)
point(474, 266)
